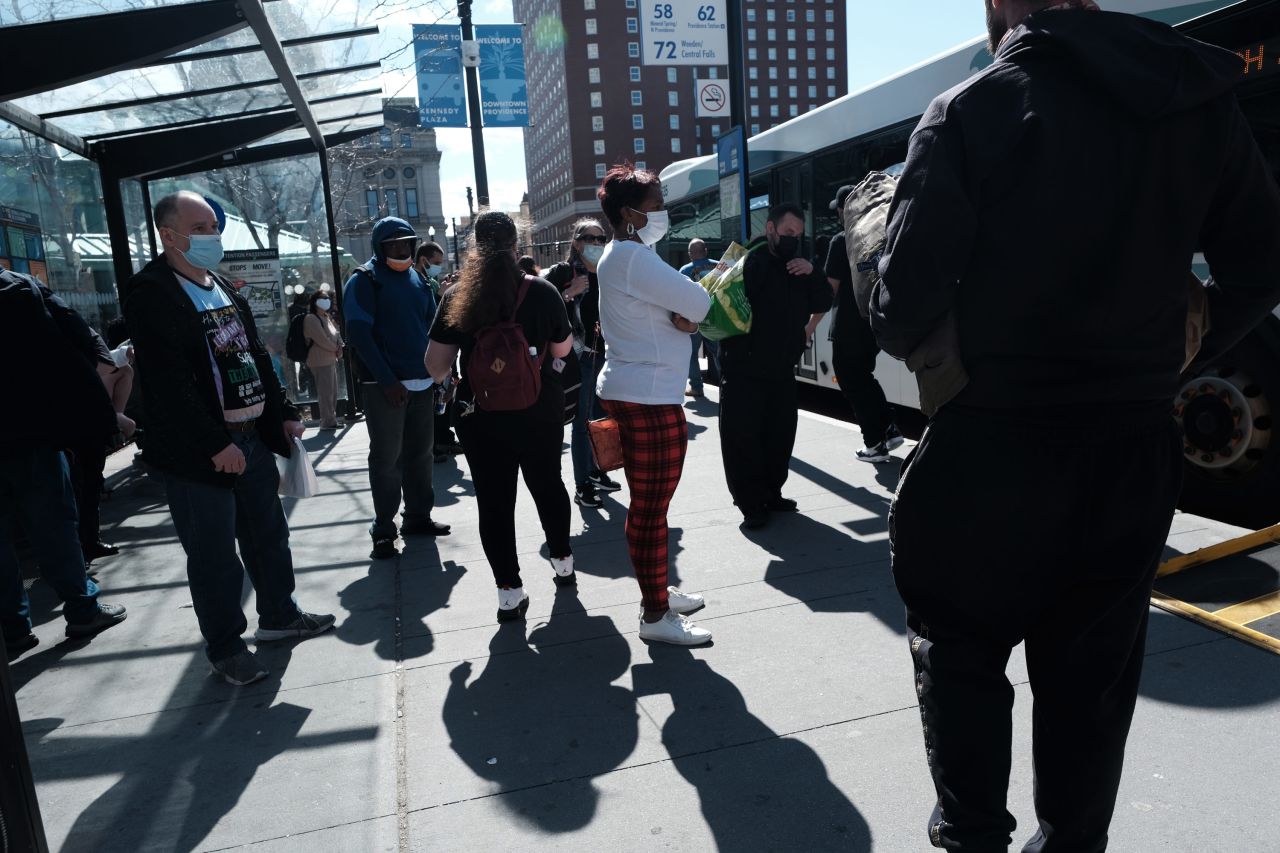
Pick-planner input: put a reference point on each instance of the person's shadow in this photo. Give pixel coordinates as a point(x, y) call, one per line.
point(759, 791)
point(547, 714)
point(370, 602)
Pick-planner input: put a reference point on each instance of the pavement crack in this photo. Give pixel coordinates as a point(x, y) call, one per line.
point(402, 759)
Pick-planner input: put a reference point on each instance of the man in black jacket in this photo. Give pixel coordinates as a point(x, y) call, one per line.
point(215, 417)
point(758, 383)
point(1052, 205)
point(63, 402)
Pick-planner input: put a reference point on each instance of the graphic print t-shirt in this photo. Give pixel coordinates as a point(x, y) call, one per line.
point(234, 370)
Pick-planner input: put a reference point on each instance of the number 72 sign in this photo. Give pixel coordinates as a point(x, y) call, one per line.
point(685, 32)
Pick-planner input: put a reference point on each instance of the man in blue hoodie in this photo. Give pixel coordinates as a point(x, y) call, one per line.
point(1051, 204)
point(389, 310)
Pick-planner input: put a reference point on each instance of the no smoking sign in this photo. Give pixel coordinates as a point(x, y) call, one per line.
point(713, 98)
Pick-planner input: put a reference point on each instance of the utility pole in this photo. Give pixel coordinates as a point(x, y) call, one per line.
point(473, 106)
point(471, 210)
point(738, 86)
point(456, 263)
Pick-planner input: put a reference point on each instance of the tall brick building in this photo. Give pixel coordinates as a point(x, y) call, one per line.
point(594, 103)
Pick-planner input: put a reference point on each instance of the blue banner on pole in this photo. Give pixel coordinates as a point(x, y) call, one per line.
point(503, 89)
point(442, 97)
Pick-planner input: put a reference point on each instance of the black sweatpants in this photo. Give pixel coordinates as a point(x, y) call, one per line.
point(1054, 543)
point(757, 434)
point(88, 460)
point(854, 352)
point(498, 447)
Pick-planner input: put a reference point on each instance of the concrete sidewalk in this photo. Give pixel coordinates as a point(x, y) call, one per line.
point(420, 725)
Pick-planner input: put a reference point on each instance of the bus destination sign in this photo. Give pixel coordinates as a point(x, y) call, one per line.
point(1261, 59)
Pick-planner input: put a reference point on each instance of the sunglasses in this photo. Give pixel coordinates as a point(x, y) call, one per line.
point(598, 239)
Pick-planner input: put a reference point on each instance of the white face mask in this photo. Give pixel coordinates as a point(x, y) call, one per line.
point(323, 304)
point(655, 228)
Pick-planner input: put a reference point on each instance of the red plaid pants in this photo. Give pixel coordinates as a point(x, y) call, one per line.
point(654, 441)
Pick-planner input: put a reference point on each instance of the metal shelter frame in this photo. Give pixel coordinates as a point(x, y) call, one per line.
point(166, 35)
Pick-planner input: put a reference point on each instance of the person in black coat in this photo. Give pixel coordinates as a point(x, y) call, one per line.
point(216, 419)
point(758, 409)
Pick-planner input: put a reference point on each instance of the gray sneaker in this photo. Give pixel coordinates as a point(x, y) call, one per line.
point(106, 616)
point(306, 625)
point(240, 669)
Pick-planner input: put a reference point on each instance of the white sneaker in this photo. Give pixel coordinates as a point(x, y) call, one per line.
point(564, 571)
point(675, 629)
point(512, 604)
point(684, 602)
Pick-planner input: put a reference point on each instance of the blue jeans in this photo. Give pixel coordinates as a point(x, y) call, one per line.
point(35, 488)
point(210, 521)
point(713, 361)
point(590, 365)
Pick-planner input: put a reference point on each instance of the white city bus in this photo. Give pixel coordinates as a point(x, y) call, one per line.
point(1233, 468)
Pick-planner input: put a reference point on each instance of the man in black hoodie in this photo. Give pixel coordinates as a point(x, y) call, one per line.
point(757, 370)
point(1052, 205)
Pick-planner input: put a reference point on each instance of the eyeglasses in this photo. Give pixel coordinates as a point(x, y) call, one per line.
point(598, 239)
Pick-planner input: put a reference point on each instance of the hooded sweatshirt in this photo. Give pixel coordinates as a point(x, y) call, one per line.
point(388, 321)
point(1054, 201)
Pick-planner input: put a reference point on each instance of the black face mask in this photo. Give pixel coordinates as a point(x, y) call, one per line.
point(786, 247)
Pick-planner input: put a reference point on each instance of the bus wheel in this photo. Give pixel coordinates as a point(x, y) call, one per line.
point(1232, 459)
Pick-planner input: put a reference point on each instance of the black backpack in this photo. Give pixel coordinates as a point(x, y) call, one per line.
point(296, 345)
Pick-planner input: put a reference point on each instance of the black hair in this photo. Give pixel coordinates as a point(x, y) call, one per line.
point(486, 292)
point(779, 211)
point(428, 250)
point(624, 186)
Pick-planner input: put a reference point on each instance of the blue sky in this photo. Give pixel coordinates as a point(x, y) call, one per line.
point(884, 37)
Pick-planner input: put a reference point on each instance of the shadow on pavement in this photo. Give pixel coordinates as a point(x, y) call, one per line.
point(758, 791)
point(546, 714)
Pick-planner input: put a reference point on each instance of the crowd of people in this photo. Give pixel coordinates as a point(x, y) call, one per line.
point(1070, 305)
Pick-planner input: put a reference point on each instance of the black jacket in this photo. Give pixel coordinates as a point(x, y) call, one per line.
point(185, 429)
point(58, 398)
point(781, 304)
point(1055, 201)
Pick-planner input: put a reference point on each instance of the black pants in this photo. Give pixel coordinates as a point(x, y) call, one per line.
point(401, 445)
point(757, 434)
point(443, 426)
point(498, 446)
point(1054, 544)
point(87, 463)
point(853, 356)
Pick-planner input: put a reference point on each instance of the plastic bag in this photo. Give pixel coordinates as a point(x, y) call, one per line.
point(297, 477)
point(730, 312)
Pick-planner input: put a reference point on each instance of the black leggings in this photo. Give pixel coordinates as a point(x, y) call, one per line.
point(499, 445)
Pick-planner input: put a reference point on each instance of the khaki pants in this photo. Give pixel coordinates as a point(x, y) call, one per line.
point(327, 393)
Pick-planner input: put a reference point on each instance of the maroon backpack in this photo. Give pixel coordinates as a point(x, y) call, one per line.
point(505, 376)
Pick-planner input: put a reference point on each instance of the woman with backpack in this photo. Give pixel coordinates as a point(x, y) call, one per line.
point(513, 332)
point(576, 279)
point(324, 351)
point(647, 312)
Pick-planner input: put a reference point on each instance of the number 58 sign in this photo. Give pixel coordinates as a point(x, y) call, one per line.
point(685, 32)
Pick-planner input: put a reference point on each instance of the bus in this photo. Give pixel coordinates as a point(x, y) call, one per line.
point(1232, 458)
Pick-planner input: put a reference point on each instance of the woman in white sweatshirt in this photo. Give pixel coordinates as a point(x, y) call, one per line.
point(647, 312)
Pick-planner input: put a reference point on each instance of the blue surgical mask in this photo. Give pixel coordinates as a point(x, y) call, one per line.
point(593, 253)
point(323, 304)
point(435, 269)
point(205, 251)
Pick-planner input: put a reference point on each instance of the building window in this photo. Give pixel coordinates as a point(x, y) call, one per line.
point(593, 50)
point(773, 92)
point(755, 130)
point(791, 73)
point(771, 35)
point(813, 91)
point(753, 73)
point(773, 110)
point(675, 145)
point(409, 173)
point(411, 202)
point(406, 140)
point(637, 122)
point(715, 131)
point(792, 93)
point(811, 34)
point(830, 16)
point(812, 73)
point(713, 73)
point(751, 33)
point(791, 16)
point(773, 54)
point(597, 123)
point(633, 49)
point(675, 121)
point(755, 111)
point(633, 26)
point(671, 75)
point(753, 92)
point(601, 168)
point(811, 54)
point(384, 136)
point(640, 164)
point(591, 26)
point(598, 146)
point(751, 16)
point(630, 4)
point(831, 73)
point(791, 34)
point(831, 91)
point(673, 98)
point(808, 16)
point(773, 72)
point(371, 203)
point(597, 100)
point(637, 98)
point(593, 75)
point(637, 145)
point(393, 203)
point(831, 54)
point(831, 35)
point(791, 54)
point(635, 73)
point(753, 55)
point(770, 15)
point(589, 5)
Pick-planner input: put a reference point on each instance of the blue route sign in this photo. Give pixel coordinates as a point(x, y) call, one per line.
point(442, 97)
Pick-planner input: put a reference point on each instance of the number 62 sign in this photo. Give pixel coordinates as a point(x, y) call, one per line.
point(685, 32)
